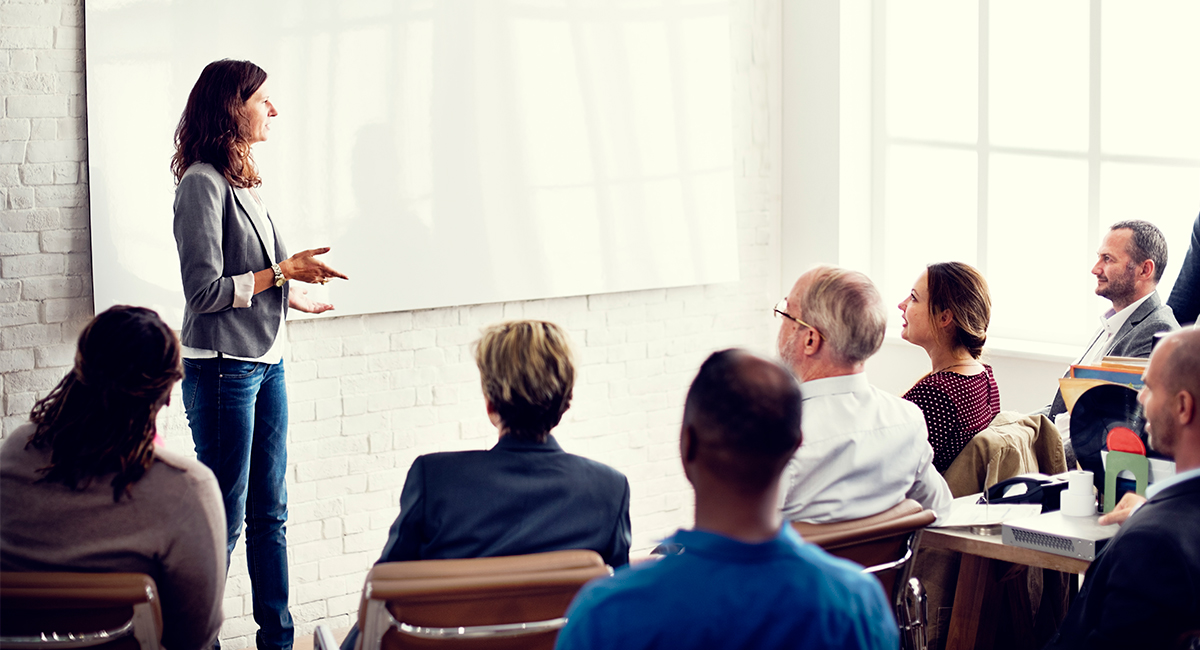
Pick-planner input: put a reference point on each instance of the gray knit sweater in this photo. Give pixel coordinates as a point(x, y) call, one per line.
point(172, 527)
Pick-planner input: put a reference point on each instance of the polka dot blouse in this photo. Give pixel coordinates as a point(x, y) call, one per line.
point(956, 407)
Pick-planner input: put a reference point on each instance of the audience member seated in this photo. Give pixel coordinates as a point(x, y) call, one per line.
point(525, 494)
point(865, 450)
point(84, 488)
point(1143, 589)
point(745, 579)
point(1131, 260)
point(1185, 295)
point(947, 314)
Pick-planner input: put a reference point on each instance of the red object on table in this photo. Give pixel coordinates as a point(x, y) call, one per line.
point(1123, 439)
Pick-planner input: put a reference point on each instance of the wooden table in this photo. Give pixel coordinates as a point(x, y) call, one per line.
point(972, 620)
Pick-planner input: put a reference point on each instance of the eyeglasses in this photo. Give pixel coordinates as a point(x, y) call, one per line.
point(781, 312)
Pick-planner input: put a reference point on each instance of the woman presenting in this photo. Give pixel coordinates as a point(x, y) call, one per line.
point(236, 277)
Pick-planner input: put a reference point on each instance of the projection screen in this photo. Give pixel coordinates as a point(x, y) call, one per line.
point(450, 152)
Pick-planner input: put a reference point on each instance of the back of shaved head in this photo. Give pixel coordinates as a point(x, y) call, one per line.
point(1183, 362)
point(745, 412)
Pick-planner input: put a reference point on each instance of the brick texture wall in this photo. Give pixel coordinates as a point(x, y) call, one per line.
point(369, 393)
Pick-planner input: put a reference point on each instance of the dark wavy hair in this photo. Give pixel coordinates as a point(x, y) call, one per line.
point(100, 419)
point(211, 127)
point(962, 289)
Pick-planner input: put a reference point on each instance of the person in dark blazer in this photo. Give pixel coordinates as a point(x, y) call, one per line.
point(237, 285)
point(1143, 589)
point(1185, 295)
point(525, 494)
point(1129, 264)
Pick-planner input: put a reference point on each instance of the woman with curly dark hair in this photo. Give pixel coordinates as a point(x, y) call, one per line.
point(84, 488)
point(237, 282)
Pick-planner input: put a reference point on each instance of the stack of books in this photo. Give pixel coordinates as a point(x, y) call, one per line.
point(1124, 371)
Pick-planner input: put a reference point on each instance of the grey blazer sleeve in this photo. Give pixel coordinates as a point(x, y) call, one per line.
point(200, 209)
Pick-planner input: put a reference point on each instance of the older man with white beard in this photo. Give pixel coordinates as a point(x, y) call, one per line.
point(864, 449)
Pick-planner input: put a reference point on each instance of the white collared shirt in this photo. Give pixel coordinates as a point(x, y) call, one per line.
point(863, 451)
point(1110, 323)
point(1154, 489)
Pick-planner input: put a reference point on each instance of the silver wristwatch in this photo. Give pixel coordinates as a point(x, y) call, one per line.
point(279, 279)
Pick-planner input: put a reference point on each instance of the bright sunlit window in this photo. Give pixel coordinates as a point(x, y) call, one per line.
point(1010, 135)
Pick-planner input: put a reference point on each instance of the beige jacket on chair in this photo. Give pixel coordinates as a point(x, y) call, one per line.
point(1012, 444)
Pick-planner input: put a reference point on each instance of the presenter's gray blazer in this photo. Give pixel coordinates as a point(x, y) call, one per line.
point(1135, 338)
point(218, 234)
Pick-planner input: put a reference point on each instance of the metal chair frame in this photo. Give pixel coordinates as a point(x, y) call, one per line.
point(143, 624)
point(908, 597)
point(377, 611)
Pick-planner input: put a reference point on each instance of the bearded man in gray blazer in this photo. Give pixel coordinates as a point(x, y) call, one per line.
point(1129, 264)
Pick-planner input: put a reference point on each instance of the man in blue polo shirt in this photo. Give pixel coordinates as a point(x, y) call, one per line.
point(744, 578)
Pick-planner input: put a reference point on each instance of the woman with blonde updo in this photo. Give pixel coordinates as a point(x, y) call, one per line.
point(947, 313)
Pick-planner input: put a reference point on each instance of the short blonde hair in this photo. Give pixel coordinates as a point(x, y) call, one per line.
point(528, 373)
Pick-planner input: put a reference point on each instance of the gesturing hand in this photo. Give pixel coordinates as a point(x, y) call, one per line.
point(305, 267)
point(298, 298)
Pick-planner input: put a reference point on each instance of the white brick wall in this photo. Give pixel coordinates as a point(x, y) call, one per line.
point(369, 393)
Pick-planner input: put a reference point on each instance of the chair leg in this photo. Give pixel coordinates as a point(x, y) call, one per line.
point(323, 639)
point(911, 614)
point(145, 627)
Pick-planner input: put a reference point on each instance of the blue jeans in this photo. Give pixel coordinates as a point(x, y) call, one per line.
point(237, 411)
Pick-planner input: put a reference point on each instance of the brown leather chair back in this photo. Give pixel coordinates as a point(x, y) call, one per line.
point(80, 605)
point(883, 543)
point(422, 604)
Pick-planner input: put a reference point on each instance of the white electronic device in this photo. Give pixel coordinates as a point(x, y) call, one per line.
point(1053, 532)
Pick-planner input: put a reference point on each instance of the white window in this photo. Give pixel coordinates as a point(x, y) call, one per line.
point(1010, 134)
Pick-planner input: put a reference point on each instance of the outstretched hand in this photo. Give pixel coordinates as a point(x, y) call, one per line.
point(1123, 509)
point(298, 298)
point(305, 267)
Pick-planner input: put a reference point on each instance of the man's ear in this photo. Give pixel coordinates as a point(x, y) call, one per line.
point(1146, 270)
point(688, 444)
point(1185, 408)
point(812, 342)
